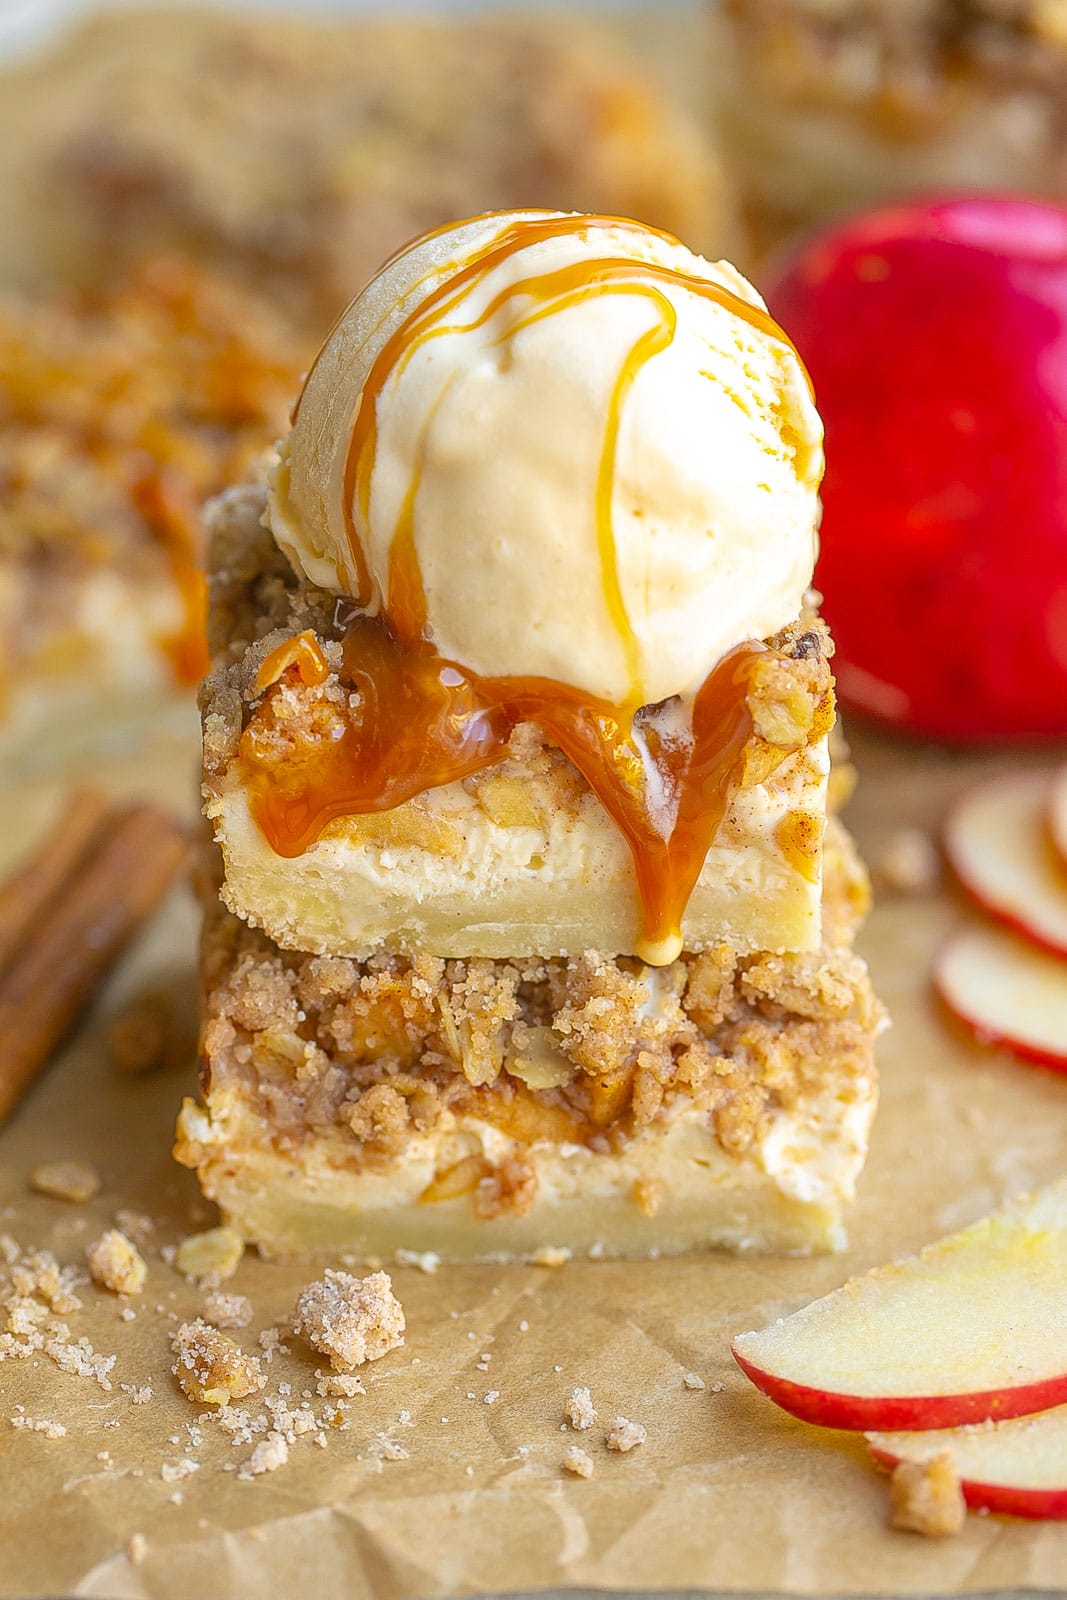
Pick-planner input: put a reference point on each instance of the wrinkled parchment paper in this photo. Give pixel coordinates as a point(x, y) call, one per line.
point(728, 1493)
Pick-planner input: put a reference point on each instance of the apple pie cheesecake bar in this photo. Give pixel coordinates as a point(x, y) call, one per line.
point(833, 104)
point(529, 930)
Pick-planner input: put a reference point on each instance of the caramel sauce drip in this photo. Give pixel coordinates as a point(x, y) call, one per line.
point(423, 721)
point(303, 652)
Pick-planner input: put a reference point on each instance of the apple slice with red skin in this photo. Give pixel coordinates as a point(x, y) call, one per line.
point(997, 844)
point(1006, 993)
point(971, 1328)
point(1057, 815)
point(1018, 1468)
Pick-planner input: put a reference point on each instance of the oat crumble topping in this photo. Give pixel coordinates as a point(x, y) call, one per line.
point(350, 1320)
point(76, 1181)
point(626, 1435)
point(577, 1461)
point(211, 1368)
point(210, 1258)
point(115, 1263)
point(579, 1410)
point(925, 1496)
point(227, 1310)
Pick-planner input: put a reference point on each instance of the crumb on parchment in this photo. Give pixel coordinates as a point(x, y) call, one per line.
point(269, 1454)
point(350, 1320)
point(227, 1310)
point(210, 1368)
point(579, 1409)
point(76, 1181)
point(925, 1496)
point(693, 1380)
point(211, 1257)
point(115, 1263)
point(137, 1549)
point(577, 1461)
point(625, 1435)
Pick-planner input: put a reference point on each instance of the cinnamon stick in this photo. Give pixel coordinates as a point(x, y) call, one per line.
point(32, 887)
point(66, 950)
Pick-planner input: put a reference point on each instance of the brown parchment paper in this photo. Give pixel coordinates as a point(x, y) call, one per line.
point(728, 1493)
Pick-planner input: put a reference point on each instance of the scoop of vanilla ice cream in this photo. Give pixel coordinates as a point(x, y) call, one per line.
point(606, 478)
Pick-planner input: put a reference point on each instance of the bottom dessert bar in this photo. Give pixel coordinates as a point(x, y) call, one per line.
point(482, 1108)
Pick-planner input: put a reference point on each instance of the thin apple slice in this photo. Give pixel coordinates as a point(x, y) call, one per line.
point(997, 844)
point(1006, 993)
point(1018, 1468)
point(1057, 815)
point(972, 1328)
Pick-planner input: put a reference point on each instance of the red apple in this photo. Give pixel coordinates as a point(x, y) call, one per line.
point(970, 1329)
point(997, 844)
point(1006, 993)
point(936, 337)
point(1017, 1468)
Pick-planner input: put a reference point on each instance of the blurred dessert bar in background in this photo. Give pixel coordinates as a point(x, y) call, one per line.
point(298, 152)
point(119, 412)
point(829, 104)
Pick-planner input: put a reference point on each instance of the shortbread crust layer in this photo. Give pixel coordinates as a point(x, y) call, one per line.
point(482, 1108)
point(521, 859)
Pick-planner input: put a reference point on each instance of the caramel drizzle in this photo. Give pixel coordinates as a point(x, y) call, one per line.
point(424, 722)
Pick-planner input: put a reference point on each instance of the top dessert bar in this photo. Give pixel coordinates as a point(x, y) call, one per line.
point(519, 859)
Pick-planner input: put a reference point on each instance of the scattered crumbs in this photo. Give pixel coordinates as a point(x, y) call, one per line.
point(625, 1435)
point(104, 1457)
point(693, 1380)
point(137, 1549)
point(405, 1419)
point(128, 1314)
point(270, 1341)
point(471, 1395)
point(210, 1258)
point(577, 1461)
point(140, 1394)
point(524, 1326)
point(491, 1396)
point(176, 1471)
point(597, 1251)
point(549, 1256)
point(925, 1496)
point(909, 863)
point(146, 1034)
point(350, 1320)
point(115, 1263)
point(268, 1455)
point(211, 1369)
point(135, 1225)
point(389, 1449)
point(427, 1261)
point(557, 1368)
point(718, 1387)
point(76, 1181)
point(168, 1254)
point(579, 1410)
point(177, 1498)
point(469, 1471)
point(46, 1425)
point(228, 1310)
point(348, 1384)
